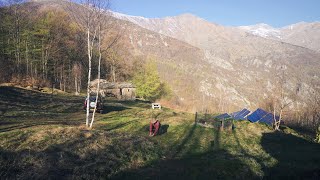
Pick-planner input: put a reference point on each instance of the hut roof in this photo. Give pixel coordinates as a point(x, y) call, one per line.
point(104, 84)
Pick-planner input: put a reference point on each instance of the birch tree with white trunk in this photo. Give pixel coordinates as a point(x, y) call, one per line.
point(99, 72)
point(92, 17)
point(281, 99)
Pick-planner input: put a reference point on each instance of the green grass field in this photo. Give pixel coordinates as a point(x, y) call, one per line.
point(44, 137)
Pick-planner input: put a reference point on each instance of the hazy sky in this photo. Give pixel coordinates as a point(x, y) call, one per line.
point(277, 13)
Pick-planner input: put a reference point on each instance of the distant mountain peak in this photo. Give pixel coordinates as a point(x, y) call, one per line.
point(124, 16)
point(262, 30)
point(187, 15)
point(264, 25)
point(45, 1)
point(131, 17)
point(304, 34)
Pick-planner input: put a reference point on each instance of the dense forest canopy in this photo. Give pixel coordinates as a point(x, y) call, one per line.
point(45, 46)
point(40, 47)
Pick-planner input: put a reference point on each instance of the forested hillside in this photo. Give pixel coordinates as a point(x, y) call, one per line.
point(40, 47)
point(44, 46)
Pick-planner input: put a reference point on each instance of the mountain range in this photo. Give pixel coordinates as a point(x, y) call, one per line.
point(301, 34)
point(210, 66)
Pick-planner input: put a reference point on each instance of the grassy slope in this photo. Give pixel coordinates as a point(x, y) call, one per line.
point(43, 136)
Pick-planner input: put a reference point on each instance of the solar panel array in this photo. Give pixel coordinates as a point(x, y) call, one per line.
point(258, 115)
point(268, 119)
point(223, 116)
point(261, 116)
point(240, 115)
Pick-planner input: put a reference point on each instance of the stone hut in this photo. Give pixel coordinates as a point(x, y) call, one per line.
point(120, 90)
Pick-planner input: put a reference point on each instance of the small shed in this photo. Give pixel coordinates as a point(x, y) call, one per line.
point(120, 90)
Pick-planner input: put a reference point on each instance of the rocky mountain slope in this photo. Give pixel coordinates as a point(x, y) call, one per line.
point(220, 68)
point(300, 34)
point(243, 65)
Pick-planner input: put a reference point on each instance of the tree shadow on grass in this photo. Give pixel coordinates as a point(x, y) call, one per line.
point(130, 103)
point(301, 129)
point(103, 155)
point(27, 124)
point(110, 108)
point(17, 98)
point(210, 165)
point(297, 158)
point(79, 157)
point(118, 126)
point(216, 163)
point(20, 108)
point(138, 103)
point(178, 149)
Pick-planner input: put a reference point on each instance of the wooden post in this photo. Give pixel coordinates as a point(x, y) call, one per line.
point(196, 118)
point(222, 125)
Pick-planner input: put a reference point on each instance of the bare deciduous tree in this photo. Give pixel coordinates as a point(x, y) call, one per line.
point(17, 14)
point(281, 98)
point(99, 69)
point(77, 74)
point(93, 22)
point(313, 106)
